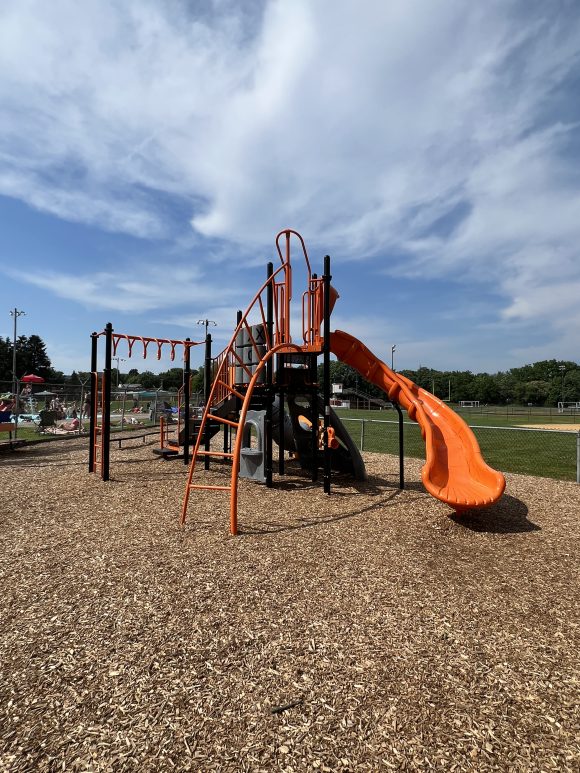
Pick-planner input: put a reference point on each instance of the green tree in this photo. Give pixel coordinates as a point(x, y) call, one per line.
point(32, 357)
point(5, 359)
point(533, 392)
point(197, 381)
point(172, 378)
point(149, 380)
point(486, 389)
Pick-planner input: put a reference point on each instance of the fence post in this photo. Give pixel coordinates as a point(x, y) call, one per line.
point(578, 457)
point(362, 434)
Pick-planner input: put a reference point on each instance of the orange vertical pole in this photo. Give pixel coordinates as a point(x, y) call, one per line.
point(288, 298)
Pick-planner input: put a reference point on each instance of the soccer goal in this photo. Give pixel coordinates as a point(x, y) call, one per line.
point(569, 407)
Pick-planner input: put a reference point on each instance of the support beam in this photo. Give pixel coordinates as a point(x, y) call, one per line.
point(326, 372)
point(186, 399)
point(106, 420)
point(94, 386)
point(269, 375)
point(207, 390)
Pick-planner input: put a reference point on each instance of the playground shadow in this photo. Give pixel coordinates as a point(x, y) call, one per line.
point(507, 516)
point(338, 488)
point(37, 456)
point(387, 499)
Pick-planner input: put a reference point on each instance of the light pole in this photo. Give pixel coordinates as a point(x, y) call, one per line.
point(562, 369)
point(118, 360)
point(393, 347)
point(207, 323)
point(15, 313)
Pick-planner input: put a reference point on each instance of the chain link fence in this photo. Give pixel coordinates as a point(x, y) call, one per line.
point(51, 405)
point(548, 453)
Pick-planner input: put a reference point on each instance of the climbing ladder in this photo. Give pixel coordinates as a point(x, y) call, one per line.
point(236, 376)
point(97, 437)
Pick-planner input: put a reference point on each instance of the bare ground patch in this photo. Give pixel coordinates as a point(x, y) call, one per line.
point(555, 427)
point(398, 635)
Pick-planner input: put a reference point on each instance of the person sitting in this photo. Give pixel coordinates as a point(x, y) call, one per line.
point(71, 425)
point(7, 404)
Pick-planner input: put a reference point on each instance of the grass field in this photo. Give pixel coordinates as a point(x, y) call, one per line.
point(515, 416)
point(530, 452)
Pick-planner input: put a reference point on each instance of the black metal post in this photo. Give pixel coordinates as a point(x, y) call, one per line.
point(92, 402)
point(186, 399)
point(269, 376)
point(207, 390)
point(107, 374)
point(401, 448)
point(326, 371)
point(314, 413)
point(226, 440)
point(281, 398)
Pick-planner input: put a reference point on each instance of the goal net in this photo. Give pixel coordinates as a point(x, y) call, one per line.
point(569, 407)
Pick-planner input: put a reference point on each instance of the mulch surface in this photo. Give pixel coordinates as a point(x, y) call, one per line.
point(369, 630)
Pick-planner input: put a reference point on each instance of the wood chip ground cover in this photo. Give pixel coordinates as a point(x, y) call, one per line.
point(397, 636)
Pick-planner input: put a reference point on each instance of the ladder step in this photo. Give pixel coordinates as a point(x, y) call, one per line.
point(231, 389)
point(215, 453)
point(211, 488)
point(223, 420)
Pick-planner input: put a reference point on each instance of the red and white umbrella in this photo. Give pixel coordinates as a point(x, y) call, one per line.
point(31, 378)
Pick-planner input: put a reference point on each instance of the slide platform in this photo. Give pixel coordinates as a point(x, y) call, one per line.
point(454, 471)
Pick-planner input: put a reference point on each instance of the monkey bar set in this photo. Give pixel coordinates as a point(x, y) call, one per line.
point(100, 434)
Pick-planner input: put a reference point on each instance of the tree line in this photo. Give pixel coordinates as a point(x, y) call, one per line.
point(31, 357)
point(543, 383)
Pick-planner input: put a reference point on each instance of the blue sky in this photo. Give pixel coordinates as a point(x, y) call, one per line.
point(149, 153)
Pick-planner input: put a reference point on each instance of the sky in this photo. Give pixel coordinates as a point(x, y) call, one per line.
point(150, 153)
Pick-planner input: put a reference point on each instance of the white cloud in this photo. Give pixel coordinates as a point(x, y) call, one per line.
point(149, 289)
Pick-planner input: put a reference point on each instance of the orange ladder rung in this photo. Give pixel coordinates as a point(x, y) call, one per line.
point(213, 488)
point(214, 453)
point(231, 389)
point(224, 421)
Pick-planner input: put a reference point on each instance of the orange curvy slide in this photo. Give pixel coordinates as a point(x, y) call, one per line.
point(454, 471)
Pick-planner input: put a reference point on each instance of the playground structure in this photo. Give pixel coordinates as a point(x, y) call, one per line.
point(262, 371)
point(244, 376)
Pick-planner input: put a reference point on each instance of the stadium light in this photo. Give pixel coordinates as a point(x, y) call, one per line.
point(118, 360)
point(207, 323)
point(562, 369)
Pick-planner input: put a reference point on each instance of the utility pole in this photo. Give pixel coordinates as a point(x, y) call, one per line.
point(15, 313)
point(562, 369)
point(393, 347)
